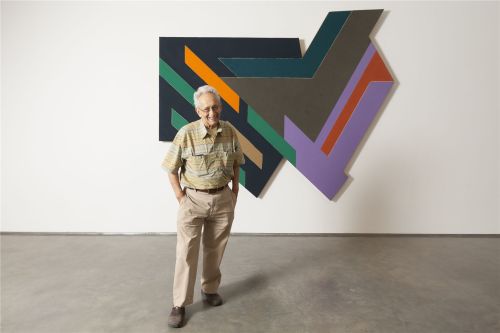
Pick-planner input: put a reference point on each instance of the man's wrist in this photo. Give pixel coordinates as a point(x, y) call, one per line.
point(179, 193)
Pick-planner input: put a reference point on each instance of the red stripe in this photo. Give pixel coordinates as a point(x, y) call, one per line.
point(375, 71)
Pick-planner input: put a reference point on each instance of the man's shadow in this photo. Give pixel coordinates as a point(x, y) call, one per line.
point(233, 291)
point(268, 276)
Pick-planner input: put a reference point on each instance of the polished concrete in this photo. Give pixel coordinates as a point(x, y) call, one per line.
point(61, 283)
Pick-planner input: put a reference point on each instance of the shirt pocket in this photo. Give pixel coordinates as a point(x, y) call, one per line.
point(205, 165)
point(215, 162)
point(197, 165)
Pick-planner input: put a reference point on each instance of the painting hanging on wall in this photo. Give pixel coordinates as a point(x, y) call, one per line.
point(312, 109)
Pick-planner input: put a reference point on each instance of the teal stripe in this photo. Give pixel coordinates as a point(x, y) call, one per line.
point(177, 120)
point(324, 39)
point(293, 67)
point(243, 177)
point(176, 81)
point(271, 135)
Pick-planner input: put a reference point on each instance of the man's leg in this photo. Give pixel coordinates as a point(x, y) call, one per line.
point(215, 237)
point(189, 225)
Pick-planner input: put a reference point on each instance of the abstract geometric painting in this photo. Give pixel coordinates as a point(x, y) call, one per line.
point(312, 109)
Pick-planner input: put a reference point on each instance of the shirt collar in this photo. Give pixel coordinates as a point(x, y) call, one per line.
point(204, 130)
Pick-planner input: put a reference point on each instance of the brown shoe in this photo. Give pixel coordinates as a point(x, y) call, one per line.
point(176, 317)
point(212, 299)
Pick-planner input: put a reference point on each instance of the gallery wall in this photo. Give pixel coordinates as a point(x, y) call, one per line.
point(79, 127)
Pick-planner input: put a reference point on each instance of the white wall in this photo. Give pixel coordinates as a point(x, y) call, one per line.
point(80, 149)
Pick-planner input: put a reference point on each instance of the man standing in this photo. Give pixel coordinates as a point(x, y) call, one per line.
point(208, 155)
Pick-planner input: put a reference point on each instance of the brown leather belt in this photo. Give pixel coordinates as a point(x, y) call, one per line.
point(209, 191)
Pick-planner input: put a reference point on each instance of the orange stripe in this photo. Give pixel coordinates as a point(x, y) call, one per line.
point(376, 71)
point(209, 76)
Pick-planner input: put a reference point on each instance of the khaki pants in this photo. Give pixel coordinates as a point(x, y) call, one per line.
point(215, 213)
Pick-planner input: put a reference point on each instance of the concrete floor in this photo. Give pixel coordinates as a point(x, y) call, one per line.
point(270, 284)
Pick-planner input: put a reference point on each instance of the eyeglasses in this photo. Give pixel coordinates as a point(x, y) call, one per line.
point(214, 108)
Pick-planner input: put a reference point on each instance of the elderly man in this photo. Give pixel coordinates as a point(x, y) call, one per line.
point(208, 154)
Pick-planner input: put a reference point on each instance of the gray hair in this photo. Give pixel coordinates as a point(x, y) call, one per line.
point(204, 90)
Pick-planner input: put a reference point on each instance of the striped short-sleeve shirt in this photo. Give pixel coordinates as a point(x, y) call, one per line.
point(205, 162)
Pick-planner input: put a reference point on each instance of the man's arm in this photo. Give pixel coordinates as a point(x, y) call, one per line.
point(236, 179)
point(173, 177)
point(173, 162)
point(240, 159)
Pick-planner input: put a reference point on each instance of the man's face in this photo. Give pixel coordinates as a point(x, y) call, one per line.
point(209, 110)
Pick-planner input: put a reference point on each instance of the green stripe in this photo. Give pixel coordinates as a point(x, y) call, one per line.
point(176, 81)
point(270, 135)
point(243, 177)
point(177, 120)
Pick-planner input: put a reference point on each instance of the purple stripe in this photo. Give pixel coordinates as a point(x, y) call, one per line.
point(341, 102)
point(327, 172)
